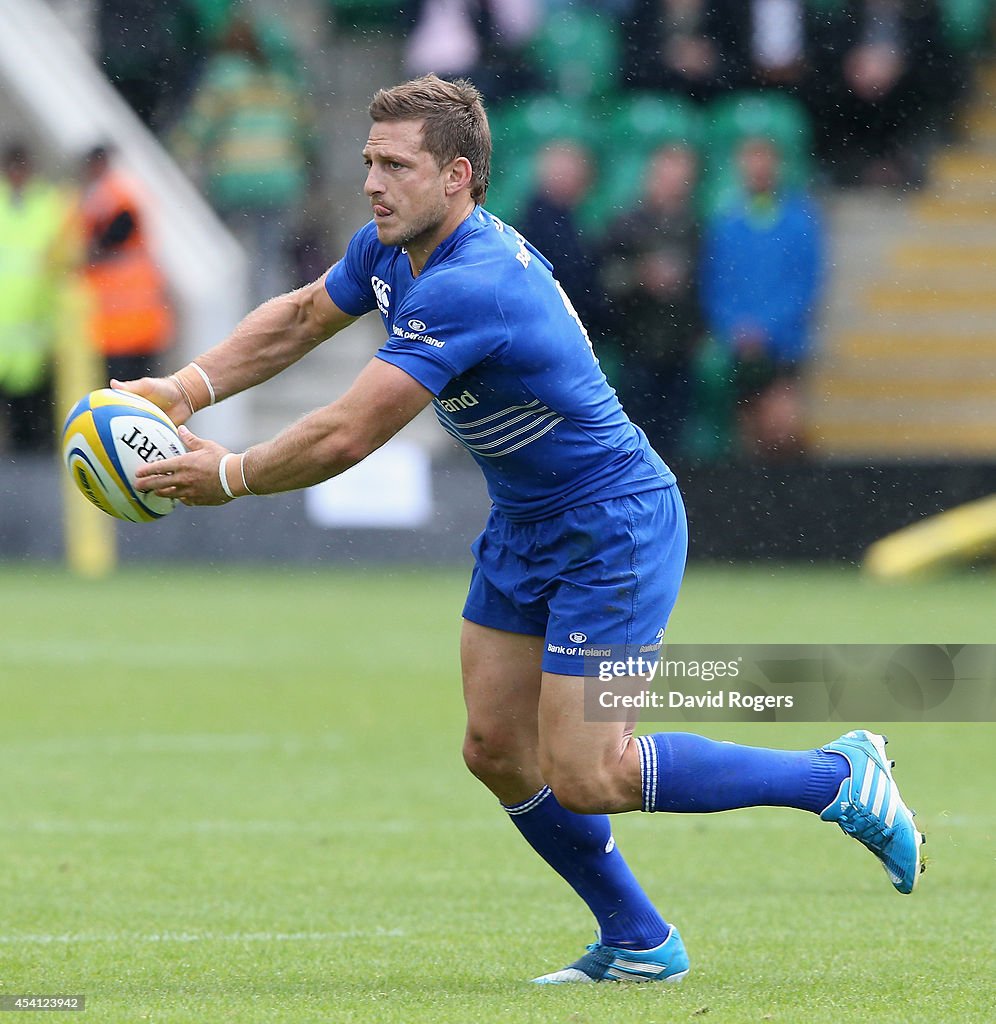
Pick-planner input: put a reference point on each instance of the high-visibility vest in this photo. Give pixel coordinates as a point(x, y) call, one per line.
point(32, 225)
point(131, 311)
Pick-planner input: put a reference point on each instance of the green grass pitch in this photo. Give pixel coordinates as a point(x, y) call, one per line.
point(236, 795)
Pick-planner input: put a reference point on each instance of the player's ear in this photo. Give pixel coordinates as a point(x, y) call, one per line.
point(459, 176)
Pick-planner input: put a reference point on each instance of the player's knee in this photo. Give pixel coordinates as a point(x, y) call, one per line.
point(490, 756)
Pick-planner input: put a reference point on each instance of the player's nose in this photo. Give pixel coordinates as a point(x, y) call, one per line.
point(372, 185)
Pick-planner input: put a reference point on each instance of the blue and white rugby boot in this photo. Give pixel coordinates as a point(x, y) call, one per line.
point(869, 808)
point(666, 962)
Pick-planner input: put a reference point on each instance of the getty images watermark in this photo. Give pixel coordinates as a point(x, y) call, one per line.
point(792, 683)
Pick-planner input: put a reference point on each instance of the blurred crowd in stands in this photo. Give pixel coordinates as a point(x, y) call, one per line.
point(665, 155)
point(872, 74)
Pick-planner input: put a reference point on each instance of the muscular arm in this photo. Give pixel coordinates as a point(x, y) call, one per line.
point(329, 440)
point(322, 444)
point(272, 337)
point(268, 340)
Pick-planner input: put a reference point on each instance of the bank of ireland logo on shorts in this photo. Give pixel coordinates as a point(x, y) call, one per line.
point(417, 325)
point(578, 638)
point(382, 293)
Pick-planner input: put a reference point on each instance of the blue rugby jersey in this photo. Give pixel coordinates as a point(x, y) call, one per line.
point(488, 330)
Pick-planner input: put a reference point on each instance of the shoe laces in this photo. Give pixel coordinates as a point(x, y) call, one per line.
point(868, 828)
point(599, 953)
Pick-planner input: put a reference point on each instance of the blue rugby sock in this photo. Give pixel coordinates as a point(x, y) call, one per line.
point(692, 774)
point(580, 848)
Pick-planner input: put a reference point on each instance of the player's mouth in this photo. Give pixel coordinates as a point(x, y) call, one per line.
point(380, 211)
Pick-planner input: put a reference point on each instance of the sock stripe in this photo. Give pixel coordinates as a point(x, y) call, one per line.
point(527, 805)
point(648, 770)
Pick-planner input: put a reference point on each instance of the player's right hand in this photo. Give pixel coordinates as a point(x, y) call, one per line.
point(192, 478)
point(161, 391)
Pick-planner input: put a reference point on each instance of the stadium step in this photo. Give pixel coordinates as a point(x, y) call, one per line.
point(967, 171)
point(957, 207)
point(886, 387)
point(928, 258)
point(909, 349)
point(908, 366)
point(981, 121)
point(936, 296)
point(857, 438)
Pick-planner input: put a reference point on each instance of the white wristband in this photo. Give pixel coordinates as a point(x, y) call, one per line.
point(207, 380)
point(242, 470)
point(183, 391)
point(223, 476)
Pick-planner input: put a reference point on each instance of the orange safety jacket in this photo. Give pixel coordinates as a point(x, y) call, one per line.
point(131, 312)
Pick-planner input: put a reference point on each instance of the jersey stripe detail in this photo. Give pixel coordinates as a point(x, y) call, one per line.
point(535, 405)
point(483, 450)
point(535, 414)
point(484, 445)
point(539, 419)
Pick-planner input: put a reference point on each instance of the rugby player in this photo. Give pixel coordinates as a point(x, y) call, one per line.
point(585, 542)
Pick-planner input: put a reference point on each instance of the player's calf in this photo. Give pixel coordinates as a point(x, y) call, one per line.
point(589, 789)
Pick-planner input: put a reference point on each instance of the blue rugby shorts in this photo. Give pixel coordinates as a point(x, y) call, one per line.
point(600, 575)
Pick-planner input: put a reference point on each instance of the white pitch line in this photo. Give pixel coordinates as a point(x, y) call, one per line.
point(743, 820)
point(402, 826)
point(174, 743)
point(75, 651)
point(58, 826)
point(71, 938)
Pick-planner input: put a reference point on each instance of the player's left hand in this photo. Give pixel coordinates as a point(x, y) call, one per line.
point(191, 478)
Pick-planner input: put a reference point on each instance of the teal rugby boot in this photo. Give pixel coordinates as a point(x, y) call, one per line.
point(868, 807)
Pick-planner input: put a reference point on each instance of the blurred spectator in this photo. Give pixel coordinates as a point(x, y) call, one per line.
point(35, 219)
point(650, 259)
point(249, 136)
point(150, 51)
point(884, 72)
point(700, 48)
point(551, 224)
point(675, 46)
point(484, 40)
point(763, 263)
point(768, 42)
point(132, 320)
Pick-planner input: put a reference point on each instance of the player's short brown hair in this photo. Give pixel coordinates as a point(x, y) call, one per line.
point(454, 122)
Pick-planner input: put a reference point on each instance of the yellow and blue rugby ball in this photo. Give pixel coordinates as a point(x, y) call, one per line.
point(107, 435)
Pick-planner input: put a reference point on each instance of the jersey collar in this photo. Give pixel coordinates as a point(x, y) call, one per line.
point(472, 222)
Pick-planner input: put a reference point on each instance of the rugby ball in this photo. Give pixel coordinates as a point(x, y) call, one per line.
point(109, 434)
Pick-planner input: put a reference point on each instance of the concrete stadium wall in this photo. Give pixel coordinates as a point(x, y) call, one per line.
point(818, 512)
point(740, 512)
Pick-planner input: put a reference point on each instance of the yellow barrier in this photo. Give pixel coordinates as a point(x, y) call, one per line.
point(89, 534)
point(961, 534)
